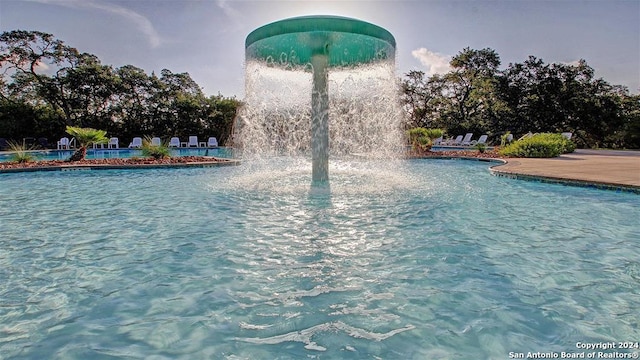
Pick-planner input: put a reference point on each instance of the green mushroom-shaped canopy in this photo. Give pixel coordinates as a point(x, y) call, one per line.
point(345, 41)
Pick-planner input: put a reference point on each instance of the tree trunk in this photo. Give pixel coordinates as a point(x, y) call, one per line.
point(78, 155)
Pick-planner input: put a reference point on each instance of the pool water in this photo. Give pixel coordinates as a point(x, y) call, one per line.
point(122, 153)
point(434, 260)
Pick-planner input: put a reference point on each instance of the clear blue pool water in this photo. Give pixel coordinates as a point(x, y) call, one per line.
point(434, 260)
point(122, 153)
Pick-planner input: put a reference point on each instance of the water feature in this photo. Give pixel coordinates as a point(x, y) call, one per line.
point(440, 261)
point(320, 84)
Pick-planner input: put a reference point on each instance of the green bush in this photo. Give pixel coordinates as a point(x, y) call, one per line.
point(504, 139)
point(421, 138)
point(481, 147)
point(544, 145)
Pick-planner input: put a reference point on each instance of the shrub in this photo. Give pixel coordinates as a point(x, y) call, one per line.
point(506, 139)
point(155, 151)
point(421, 138)
point(544, 145)
point(481, 147)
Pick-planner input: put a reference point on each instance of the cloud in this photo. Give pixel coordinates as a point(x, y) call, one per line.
point(141, 22)
point(227, 9)
point(435, 63)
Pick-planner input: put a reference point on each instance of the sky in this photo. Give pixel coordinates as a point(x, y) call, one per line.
point(205, 38)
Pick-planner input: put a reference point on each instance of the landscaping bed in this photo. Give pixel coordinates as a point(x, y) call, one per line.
point(115, 162)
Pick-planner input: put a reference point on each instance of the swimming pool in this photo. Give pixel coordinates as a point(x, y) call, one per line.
point(222, 152)
point(435, 259)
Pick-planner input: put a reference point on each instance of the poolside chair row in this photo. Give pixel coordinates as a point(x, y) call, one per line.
point(175, 142)
point(114, 143)
point(462, 141)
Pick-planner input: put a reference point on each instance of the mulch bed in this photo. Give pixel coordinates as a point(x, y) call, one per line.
point(117, 162)
point(489, 154)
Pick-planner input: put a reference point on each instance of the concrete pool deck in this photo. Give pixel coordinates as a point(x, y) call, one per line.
point(608, 168)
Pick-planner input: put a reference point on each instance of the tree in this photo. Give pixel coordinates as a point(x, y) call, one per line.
point(531, 96)
point(471, 103)
point(561, 97)
point(46, 85)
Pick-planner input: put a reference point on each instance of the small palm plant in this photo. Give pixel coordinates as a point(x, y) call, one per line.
point(156, 151)
point(20, 153)
point(85, 137)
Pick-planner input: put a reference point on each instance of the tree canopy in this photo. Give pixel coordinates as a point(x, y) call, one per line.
point(47, 85)
point(532, 96)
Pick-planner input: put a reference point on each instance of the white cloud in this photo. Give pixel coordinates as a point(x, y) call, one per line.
point(435, 63)
point(227, 9)
point(141, 22)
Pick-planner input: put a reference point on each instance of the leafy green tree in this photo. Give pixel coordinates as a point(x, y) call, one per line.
point(422, 99)
point(471, 101)
point(45, 71)
point(561, 97)
point(26, 54)
point(221, 114)
point(532, 96)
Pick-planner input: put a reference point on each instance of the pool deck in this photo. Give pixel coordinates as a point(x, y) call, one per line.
point(608, 168)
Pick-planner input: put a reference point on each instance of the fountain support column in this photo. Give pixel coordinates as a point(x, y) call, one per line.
point(320, 119)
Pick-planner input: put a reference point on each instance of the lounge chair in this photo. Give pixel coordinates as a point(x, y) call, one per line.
point(567, 135)
point(467, 139)
point(453, 142)
point(155, 141)
point(437, 141)
point(193, 141)
point(63, 143)
point(212, 142)
point(113, 143)
point(481, 140)
point(174, 142)
point(136, 143)
point(43, 142)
